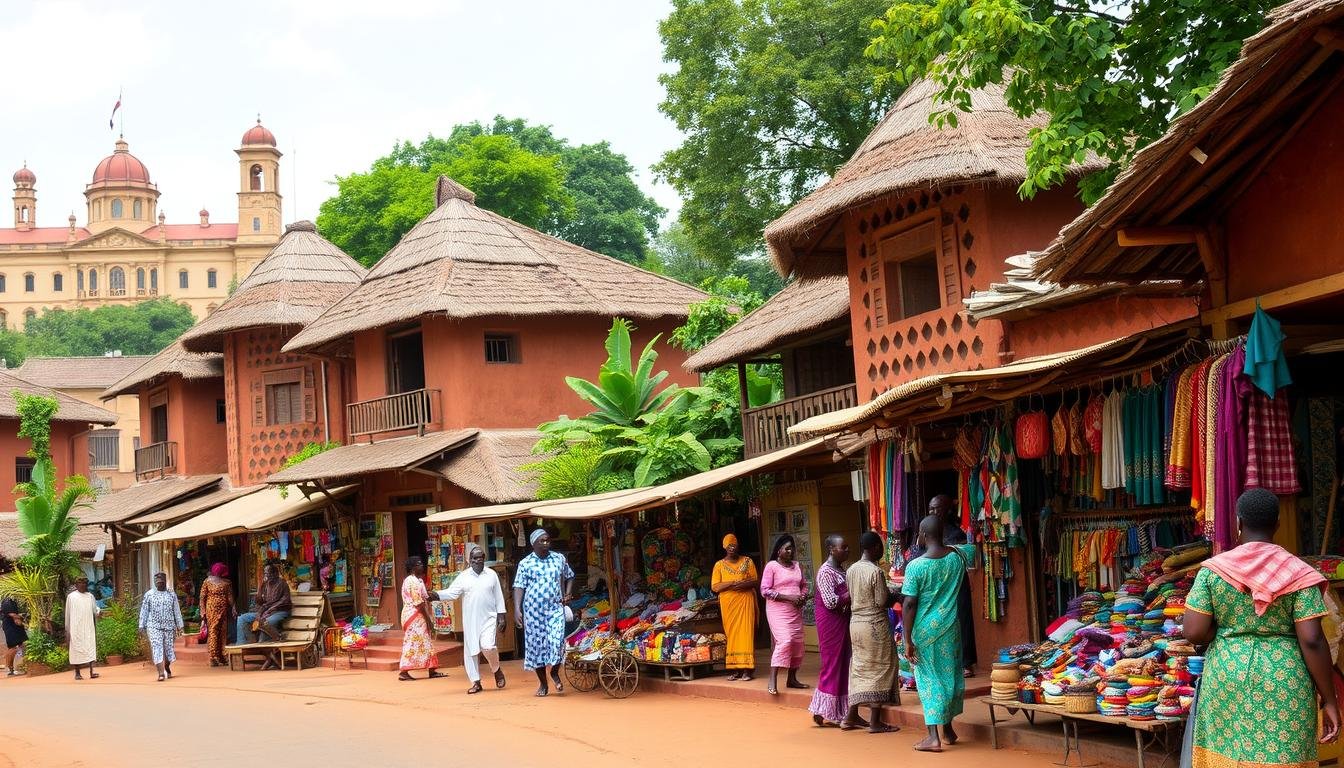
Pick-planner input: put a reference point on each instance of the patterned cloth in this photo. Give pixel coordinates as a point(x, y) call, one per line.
point(785, 618)
point(873, 665)
point(543, 613)
point(738, 607)
point(417, 644)
point(1257, 703)
point(215, 602)
point(831, 698)
point(1178, 461)
point(1269, 445)
point(1264, 571)
point(160, 620)
point(1230, 457)
point(936, 632)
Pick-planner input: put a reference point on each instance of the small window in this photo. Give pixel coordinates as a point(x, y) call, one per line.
point(211, 279)
point(28, 315)
point(116, 281)
point(153, 279)
point(911, 280)
point(4, 320)
point(2, 283)
point(220, 412)
point(79, 280)
point(58, 282)
point(256, 178)
point(500, 348)
point(23, 215)
point(29, 283)
point(137, 209)
point(93, 281)
point(256, 223)
point(182, 279)
point(284, 403)
point(23, 469)
point(117, 208)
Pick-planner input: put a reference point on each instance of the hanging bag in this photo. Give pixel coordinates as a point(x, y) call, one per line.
point(1032, 435)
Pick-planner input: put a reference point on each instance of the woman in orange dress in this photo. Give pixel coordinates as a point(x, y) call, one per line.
point(217, 609)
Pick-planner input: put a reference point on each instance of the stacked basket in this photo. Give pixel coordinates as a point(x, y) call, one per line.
point(1003, 682)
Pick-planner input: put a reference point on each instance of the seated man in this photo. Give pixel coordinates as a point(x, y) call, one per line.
point(272, 607)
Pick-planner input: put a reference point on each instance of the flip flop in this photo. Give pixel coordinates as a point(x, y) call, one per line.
point(433, 675)
point(797, 686)
point(918, 748)
point(851, 726)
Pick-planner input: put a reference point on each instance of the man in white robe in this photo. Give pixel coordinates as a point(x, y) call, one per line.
point(81, 615)
point(483, 613)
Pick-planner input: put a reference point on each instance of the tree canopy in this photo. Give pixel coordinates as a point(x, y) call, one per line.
point(773, 96)
point(142, 328)
point(1110, 75)
point(585, 194)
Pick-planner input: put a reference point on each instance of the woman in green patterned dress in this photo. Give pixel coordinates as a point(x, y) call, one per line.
point(1259, 609)
point(933, 633)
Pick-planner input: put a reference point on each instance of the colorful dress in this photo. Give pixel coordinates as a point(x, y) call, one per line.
point(417, 645)
point(1257, 702)
point(161, 620)
point(872, 665)
point(738, 607)
point(785, 618)
point(831, 698)
point(936, 633)
point(543, 614)
point(215, 601)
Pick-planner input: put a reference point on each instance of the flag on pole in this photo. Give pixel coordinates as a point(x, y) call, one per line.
point(111, 120)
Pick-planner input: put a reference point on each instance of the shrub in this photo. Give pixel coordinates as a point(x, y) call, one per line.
point(43, 649)
point(119, 630)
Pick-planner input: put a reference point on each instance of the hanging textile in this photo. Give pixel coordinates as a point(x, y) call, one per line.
point(1321, 446)
point(1178, 462)
point(1209, 483)
point(1265, 364)
point(1199, 423)
point(1270, 463)
point(1230, 456)
point(1113, 442)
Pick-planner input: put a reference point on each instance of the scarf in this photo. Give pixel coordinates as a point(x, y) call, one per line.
point(1266, 571)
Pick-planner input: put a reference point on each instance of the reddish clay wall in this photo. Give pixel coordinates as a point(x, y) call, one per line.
point(63, 455)
point(474, 393)
point(192, 424)
point(253, 358)
point(1093, 323)
point(1287, 229)
point(1014, 627)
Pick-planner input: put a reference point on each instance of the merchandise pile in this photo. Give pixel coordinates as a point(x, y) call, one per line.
point(1123, 645)
point(647, 629)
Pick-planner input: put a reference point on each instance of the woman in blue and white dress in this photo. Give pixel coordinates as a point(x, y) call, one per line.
point(541, 587)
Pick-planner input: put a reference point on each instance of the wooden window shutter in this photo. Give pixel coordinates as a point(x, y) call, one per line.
point(258, 410)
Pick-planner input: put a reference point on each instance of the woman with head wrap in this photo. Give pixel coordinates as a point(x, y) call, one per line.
point(734, 581)
point(217, 611)
point(482, 616)
point(417, 644)
point(786, 592)
point(541, 587)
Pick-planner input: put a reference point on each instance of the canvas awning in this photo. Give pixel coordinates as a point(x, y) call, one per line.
point(634, 500)
point(254, 512)
point(193, 506)
point(949, 394)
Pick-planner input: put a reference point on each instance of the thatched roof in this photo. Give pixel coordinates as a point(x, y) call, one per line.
point(1021, 295)
point(142, 498)
point(489, 465)
point(69, 409)
point(905, 152)
point(301, 276)
point(350, 461)
point(461, 261)
point(805, 309)
point(1208, 155)
point(85, 542)
point(172, 361)
point(93, 372)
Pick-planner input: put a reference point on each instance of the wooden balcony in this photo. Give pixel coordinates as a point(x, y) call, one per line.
point(766, 429)
point(407, 410)
point(155, 459)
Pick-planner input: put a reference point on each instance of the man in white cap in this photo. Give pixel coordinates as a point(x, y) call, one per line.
point(483, 616)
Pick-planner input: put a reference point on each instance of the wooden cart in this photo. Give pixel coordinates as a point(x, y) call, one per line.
point(616, 671)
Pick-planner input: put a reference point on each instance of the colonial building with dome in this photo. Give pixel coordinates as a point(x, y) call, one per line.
point(126, 251)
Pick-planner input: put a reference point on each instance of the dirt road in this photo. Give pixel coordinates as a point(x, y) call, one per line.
point(209, 717)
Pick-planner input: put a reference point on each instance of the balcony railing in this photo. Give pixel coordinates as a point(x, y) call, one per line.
point(407, 410)
point(105, 449)
point(766, 429)
point(156, 459)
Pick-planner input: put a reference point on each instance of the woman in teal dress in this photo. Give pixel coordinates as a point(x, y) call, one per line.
point(933, 633)
point(1259, 609)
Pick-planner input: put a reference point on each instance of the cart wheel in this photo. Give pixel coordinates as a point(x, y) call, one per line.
point(582, 677)
point(619, 673)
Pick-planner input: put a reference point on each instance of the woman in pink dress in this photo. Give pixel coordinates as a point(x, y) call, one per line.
point(786, 592)
point(417, 645)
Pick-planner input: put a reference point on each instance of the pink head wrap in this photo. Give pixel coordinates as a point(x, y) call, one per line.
point(219, 571)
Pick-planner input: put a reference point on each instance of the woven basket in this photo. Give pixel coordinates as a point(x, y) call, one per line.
point(1004, 675)
point(1080, 703)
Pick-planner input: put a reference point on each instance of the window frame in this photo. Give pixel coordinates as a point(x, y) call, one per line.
point(58, 283)
point(24, 465)
point(29, 282)
point(277, 406)
point(510, 340)
point(890, 255)
point(211, 278)
point(183, 280)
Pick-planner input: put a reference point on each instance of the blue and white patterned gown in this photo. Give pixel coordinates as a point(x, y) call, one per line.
point(543, 613)
point(161, 620)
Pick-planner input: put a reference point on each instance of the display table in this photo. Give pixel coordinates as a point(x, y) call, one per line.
point(1146, 732)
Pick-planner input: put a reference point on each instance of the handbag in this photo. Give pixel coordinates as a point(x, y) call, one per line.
point(1032, 435)
point(203, 635)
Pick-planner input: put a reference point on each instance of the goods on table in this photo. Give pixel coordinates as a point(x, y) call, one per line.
point(649, 631)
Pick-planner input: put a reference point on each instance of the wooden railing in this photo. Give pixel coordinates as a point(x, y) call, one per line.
point(156, 458)
point(105, 449)
point(407, 410)
point(766, 428)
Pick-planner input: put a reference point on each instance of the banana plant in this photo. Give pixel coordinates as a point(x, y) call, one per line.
point(47, 522)
point(624, 391)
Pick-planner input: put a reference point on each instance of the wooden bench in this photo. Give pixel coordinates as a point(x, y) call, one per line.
point(300, 636)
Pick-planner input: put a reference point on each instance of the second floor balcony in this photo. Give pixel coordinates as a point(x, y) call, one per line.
point(155, 459)
point(766, 428)
point(415, 409)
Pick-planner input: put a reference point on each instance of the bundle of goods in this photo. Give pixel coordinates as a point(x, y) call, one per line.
point(645, 629)
point(1122, 648)
point(669, 647)
point(354, 635)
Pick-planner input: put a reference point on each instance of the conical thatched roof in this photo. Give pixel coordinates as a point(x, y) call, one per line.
point(301, 276)
point(905, 152)
point(172, 361)
point(805, 309)
point(462, 261)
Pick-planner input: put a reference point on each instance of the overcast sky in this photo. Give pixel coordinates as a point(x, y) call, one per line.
point(338, 81)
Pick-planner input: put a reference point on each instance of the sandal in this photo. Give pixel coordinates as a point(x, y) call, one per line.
point(433, 673)
point(405, 677)
point(475, 688)
point(499, 679)
point(559, 686)
point(542, 693)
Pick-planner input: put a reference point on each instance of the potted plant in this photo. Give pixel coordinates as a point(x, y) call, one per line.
point(43, 656)
point(118, 632)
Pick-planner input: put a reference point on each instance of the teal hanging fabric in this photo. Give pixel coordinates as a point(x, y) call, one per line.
point(1265, 363)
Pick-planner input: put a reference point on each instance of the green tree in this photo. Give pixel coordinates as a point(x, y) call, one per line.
point(730, 299)
point(773, 96)
point(674, 254)
point(585, 194)
point(142, 328)
point(1110, 76)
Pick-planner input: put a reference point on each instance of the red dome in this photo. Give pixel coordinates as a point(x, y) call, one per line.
point(121, 166)
point(258, 135)
point(24, 176)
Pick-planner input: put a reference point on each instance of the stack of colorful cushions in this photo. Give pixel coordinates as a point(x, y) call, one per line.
point(1142, 695)
point(1113, 700)
point(1173, 702)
